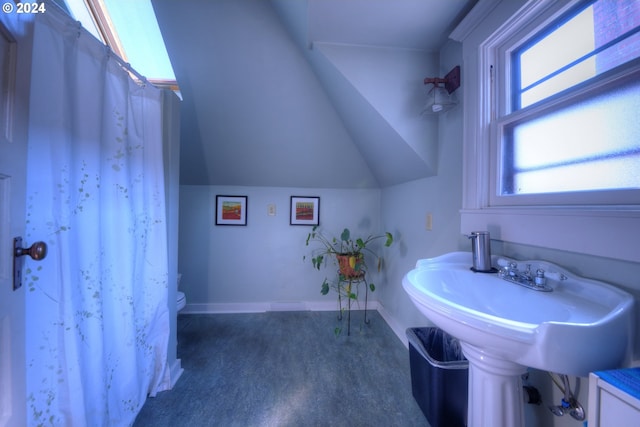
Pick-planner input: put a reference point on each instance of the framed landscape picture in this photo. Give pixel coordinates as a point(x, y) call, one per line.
point(231, 210)
point(305, 210)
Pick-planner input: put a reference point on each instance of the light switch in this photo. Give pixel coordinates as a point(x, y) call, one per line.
point(271, 209)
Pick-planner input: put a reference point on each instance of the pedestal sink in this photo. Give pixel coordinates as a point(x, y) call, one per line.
point(581, 325)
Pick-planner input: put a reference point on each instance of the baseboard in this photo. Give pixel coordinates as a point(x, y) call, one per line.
point(395, 326)
point(211, 308)
point(214, 308)
point(261, 307)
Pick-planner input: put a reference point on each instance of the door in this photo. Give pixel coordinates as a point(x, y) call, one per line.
point(15, 54)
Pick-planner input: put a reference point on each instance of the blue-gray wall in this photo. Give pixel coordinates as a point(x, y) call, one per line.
point(255, 266)
point(250, 268)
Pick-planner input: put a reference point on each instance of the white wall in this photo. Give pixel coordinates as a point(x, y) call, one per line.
point(405, 208)
point(262, 263)
point(249, 268)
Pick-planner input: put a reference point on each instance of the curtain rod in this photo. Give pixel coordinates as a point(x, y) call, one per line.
point(81, 30)
point(125, 65)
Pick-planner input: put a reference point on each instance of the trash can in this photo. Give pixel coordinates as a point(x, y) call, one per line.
point(439, 376)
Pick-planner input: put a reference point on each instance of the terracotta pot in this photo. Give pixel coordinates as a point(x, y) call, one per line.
point(350, 265)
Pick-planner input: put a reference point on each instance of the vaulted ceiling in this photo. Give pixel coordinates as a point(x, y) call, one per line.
point(306, 93)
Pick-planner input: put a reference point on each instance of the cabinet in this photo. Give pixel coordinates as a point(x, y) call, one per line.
point(614, 398)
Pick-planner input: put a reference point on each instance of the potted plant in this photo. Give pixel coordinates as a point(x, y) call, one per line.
point(349, 255)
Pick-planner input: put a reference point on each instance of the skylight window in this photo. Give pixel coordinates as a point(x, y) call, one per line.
point(131, 29)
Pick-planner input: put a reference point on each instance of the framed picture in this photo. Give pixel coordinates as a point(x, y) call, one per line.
point(305, 210)
point(231, 210)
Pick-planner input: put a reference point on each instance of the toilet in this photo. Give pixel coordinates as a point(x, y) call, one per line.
point(182, 299)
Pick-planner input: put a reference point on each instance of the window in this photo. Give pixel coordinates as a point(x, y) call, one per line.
point(131, 30)
point(591, 144)
point(551, 135)
point(589, 40)
point(571, 126)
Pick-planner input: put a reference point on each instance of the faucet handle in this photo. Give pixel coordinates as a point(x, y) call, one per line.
point(503, 262)
point(540, 279)
point(512, 269)
point(556, 276)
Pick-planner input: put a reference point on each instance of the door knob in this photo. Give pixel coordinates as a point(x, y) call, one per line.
point(37, 251)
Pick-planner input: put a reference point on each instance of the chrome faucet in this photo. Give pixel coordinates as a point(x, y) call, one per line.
point(509, 271)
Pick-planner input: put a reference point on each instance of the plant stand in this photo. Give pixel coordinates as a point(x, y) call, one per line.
point(349, 282)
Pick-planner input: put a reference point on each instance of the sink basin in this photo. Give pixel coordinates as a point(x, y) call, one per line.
point(558, 331)
point(580, 326)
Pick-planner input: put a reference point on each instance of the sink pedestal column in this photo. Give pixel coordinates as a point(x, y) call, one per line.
point(495, 390)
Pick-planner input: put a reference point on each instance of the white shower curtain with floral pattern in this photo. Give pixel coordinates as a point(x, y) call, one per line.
point(97, 316)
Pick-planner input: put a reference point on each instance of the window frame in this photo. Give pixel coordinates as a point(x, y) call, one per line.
point(609, 228)
point(628, 73)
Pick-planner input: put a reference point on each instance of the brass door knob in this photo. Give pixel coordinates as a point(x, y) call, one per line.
point(37, 251)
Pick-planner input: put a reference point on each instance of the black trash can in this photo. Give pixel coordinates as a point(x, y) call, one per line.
point(439, 376)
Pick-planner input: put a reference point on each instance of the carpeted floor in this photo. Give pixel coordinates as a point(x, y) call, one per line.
point(286, 369)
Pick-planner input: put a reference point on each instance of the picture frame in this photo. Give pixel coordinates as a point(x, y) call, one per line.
point(305, 210)
point(231, 210)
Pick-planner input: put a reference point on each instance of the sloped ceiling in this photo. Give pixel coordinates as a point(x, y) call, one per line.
point(306, 93)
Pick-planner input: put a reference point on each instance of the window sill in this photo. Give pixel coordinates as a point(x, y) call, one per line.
point(605, 232)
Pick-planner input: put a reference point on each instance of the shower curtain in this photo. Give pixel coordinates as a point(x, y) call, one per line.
point(97, 316)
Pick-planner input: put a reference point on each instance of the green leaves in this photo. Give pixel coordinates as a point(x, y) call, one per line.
point(311, 235)
point(325, 287)
point(346, 235)
point(317, 261)
point(337, 249)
